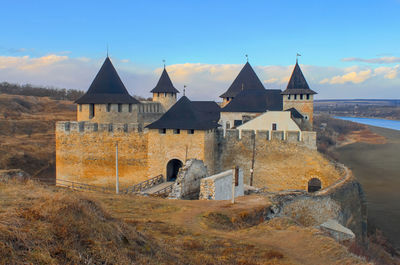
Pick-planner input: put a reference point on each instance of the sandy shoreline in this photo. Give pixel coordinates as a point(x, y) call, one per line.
point(377, 168)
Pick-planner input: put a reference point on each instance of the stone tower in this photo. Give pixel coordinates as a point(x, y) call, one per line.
point(245, 80)
point(165, 92)
point(298, 95)
point(107, 100)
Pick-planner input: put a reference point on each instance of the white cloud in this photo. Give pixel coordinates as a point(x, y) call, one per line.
point(204, 81)
point(352, 77)
point(379, 60)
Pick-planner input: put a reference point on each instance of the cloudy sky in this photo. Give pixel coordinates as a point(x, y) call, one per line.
point(349, 49)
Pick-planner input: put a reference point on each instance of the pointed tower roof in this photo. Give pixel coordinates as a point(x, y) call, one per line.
point(107, 87)
point(185, 115)
point(297, 83)
point(164, 84)
point(246, 79)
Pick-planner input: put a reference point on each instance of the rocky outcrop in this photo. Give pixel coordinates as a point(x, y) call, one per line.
point(343, 202)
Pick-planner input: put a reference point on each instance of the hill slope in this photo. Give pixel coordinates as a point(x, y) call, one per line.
point(27, 132)
point(43, 225)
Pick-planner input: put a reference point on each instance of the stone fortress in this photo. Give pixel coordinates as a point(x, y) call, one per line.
point(157, 137)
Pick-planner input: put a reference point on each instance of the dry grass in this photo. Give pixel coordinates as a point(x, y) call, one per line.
point(48, 225)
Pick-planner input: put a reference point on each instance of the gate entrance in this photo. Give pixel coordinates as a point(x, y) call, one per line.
point(173, 167)
point(314, 185)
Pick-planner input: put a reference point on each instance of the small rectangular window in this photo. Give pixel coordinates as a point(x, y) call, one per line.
point(237, 123)
point(162, 131)
point(130, 107)
point(108, 107)
point(177, 131)
point(165, 95)
point(301, 96)
point(80, 107)
point(274, 126)
point(308, 96)
point(190, 131)
point(295, 96)
point(288, 97)
point(91, 111)
point(119, 107)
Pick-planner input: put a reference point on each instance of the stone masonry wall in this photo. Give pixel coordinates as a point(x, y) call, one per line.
point(304, 106)
point(85, 152)
point(183, 146)
point(279, 164)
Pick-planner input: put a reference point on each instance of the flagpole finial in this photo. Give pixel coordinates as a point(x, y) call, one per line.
point(107, 49)
point(184, 90)
point(164, 63)
point(247, 57)
point(297, 57)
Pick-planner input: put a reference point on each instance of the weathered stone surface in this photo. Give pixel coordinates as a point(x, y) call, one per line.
point(13, 174)
point(219, 186)
point(187, 184)
point(337, 231)
point(344, 202)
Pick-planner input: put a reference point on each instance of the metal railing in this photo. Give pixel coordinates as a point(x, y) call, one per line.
point(145, 184)
point(166, 190)
point(82, 186)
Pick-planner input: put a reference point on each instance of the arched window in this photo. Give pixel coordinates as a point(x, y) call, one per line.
point(228, 125)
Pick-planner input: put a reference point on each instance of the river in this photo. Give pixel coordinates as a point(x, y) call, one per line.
point(377, 168)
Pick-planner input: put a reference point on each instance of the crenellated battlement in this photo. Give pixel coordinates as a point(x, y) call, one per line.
point(306, 138)
point(91, 127)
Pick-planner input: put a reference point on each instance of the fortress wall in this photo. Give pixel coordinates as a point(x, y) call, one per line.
point(183, 146)
point(85, 152)
point(101, 115)
point(279, 164)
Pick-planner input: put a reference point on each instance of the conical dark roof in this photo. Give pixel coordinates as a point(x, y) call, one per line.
point(256, 101)
point(246, 79)
point(107, 87)
point(185, 115)
point(297, 83)
point(164, 84)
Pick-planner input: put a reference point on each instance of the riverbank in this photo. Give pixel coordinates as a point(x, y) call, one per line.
point(377, 168)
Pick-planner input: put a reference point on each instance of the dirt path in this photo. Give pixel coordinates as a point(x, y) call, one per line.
point(300, 245)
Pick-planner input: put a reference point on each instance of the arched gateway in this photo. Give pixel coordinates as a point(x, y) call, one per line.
point(173, 167)
point(314, 185)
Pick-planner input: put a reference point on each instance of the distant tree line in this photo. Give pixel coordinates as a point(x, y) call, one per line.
point(31, 90)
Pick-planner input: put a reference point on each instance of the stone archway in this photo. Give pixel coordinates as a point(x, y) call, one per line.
point(314, 185)
point(173, 167)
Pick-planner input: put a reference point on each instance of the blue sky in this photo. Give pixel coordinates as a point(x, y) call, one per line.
point(335, 38)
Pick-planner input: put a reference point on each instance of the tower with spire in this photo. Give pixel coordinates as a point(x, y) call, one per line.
point(247, 79)
point(298, 94)
point(165, 93)
point(107, 99)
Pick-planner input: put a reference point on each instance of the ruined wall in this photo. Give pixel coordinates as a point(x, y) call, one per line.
point(164, 147)
point(85, 152)
point(304, 106)
point(219, 186)
point(187, 184)
point(279, 164)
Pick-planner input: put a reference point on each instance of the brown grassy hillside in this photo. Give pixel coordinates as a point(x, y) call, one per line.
point(27, 132)
point(48, 225)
